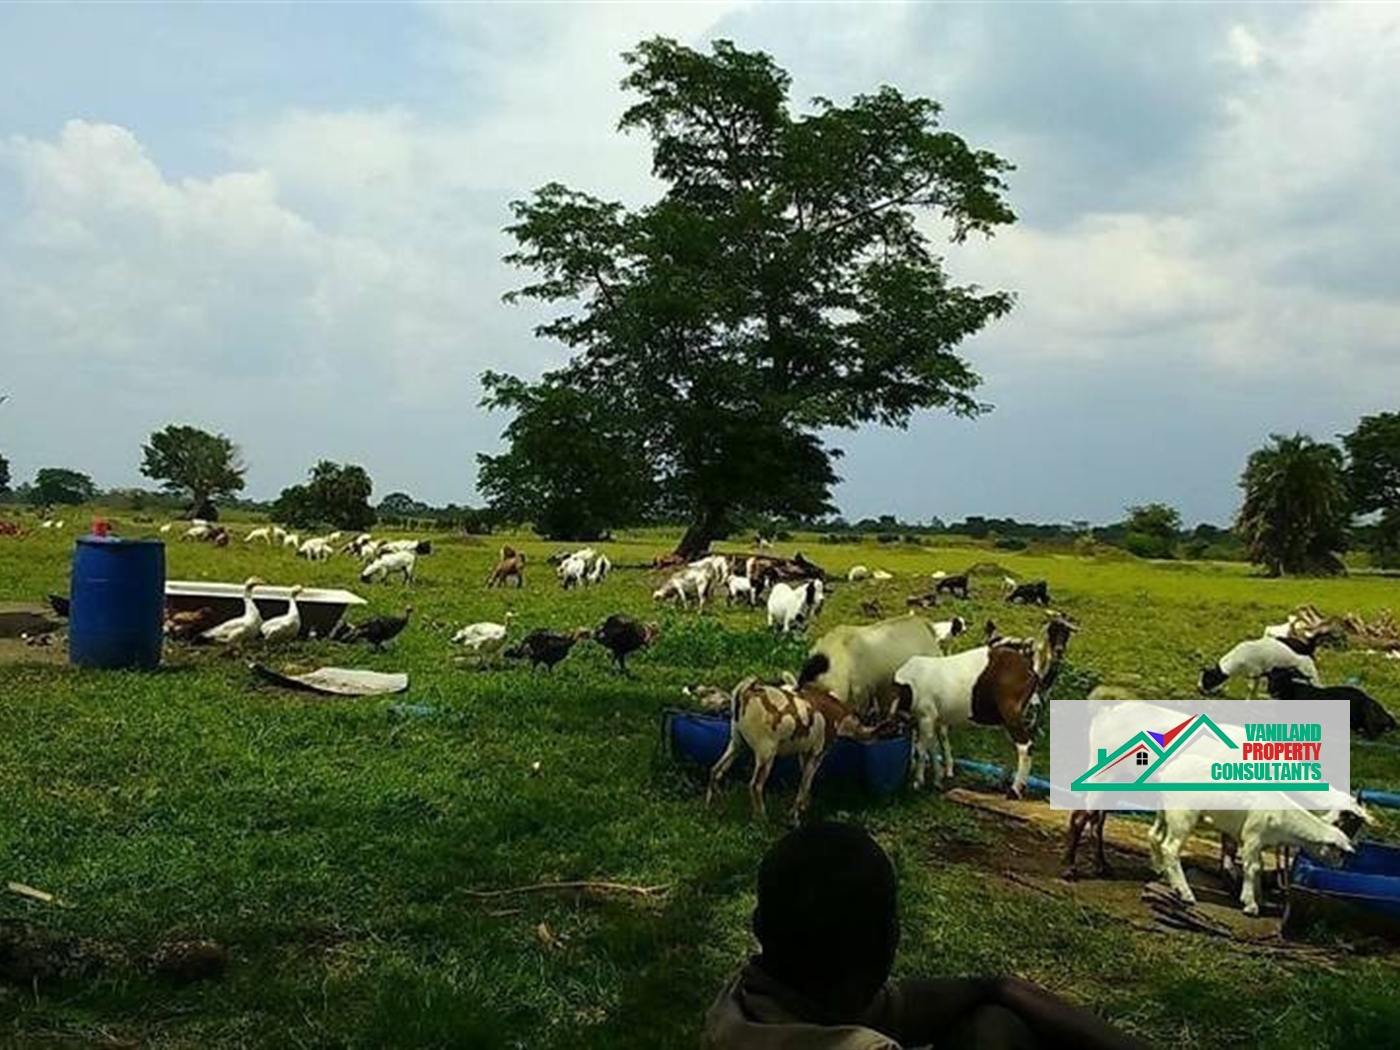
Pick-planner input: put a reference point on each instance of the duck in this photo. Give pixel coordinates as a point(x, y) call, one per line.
point(622, 636)
point(241, 629)
point(484, 639)
point(287, 627)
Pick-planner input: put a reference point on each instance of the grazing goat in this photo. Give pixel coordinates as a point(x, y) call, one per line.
point(740, 588)
point(264, 534)
point(315, 549)
point(856, 664)
point(949, 629)
point(987, 686)
point(1252, 829)
point(789, 606)
point(1253, 659)
point(402, 562)
point(690, 582)
point(782, 720)
point(954, 585)
point(1035, 592)
point(1368, 717)
point(510, 566)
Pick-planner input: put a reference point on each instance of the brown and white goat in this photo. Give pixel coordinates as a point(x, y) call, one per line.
point(991, 685)
point(510, 566)
point(776, 720)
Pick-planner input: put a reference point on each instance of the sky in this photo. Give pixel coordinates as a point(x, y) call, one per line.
point(284, 223)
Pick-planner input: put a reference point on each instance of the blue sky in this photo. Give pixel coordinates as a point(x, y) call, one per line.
point(284, 222)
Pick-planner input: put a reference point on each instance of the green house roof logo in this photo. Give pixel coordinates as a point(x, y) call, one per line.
point(1149, 750)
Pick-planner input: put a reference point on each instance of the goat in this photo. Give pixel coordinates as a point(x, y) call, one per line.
point(315, 549)
point(402, 562)
point(949, 629)
point(264, 534)
point(1035, 592)
point(989, 685)
point(782, 720)
point(954, 585)
point(856, 664)
point(1368, 717)
point(739, 588)
point(1254, 659)
point(690, 582)
point(788, 606)
point(1252, 829)
point(510, 566)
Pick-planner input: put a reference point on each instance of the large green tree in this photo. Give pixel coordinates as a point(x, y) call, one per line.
point(335, 494)
point(782, 285)
point(1295, 512)
point(61, 485)
point(195, 463)
point(4, 475)
point(570, 469)
point(1373, 479)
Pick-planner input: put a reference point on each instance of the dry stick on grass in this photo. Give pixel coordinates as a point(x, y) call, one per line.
point(585, 886)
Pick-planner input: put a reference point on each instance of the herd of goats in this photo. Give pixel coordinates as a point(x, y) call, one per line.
point(862, 681)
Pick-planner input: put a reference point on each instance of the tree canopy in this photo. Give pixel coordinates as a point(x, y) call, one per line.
point(61, 485)
point(1152, 530)
point(1295, 512)
point(336, 494)
point(196, 463)
point(1373, 479)
point(781, 286)
point(4, 475)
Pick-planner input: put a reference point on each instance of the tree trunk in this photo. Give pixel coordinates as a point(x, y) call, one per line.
point(706, 527)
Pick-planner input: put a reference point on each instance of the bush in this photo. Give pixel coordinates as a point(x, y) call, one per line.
point(1010, 543)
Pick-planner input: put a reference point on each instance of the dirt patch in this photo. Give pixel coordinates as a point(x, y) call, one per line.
point(1032, 860)
point(18, 651)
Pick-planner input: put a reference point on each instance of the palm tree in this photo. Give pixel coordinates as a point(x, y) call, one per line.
point(1295, 511)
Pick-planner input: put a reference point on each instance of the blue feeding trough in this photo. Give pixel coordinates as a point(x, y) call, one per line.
point(117, 603)
point(879, 766)
point(1362, 893)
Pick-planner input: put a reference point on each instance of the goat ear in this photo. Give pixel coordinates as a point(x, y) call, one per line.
point(789, 680)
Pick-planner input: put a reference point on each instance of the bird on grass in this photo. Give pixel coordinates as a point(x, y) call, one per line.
point(287, 627)
point(546, 647)
point(622, 636)
point(241, 629)
point(483, 640)
point(376, 631)
point(184, 626)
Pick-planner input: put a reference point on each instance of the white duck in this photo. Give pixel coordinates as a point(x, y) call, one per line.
point(241, 629)
point(287, 627)
point(484, 639)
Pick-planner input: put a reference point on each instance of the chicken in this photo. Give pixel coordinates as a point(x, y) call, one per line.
point(484, 640)
point(60, 605)
point(622, 636)
point(287, 627)
point(376, 631)
point(241, 629)
point(183, 626)
point(546, 647)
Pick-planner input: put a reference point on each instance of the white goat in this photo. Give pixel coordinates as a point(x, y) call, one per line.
point(315, 549)
point(788, 605)
point(856, 664)
point(740, 588)
point(690, 582)
point(1252, 829)
point(401, 562)
point(264, 534)
point(1253, 659)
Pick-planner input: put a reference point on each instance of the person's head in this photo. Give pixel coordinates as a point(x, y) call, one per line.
point(827, 916)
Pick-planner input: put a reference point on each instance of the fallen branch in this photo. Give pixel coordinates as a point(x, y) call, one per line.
point(586, 886)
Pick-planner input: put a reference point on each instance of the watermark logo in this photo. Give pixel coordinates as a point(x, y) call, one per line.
point(1198, 754)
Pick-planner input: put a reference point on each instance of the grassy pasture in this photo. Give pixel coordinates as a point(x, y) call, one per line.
point(332, 843)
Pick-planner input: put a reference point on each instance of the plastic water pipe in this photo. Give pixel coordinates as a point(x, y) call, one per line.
point(1384, 799)
point(1039, 785)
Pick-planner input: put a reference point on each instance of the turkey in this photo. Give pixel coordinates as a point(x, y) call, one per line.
point(484, 640)
point(241, 629)
point(546, 647)
point(622, 636)
point(287, 627)
point(376, 631)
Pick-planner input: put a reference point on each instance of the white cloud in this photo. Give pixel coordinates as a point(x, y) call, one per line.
point(1245, 47)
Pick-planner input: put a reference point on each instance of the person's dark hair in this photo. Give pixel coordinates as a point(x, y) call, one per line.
point(827, 916)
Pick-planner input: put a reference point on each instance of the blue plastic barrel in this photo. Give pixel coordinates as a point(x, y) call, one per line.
point(117, 600)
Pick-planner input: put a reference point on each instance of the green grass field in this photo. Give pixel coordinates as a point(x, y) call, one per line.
point(333, 845)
